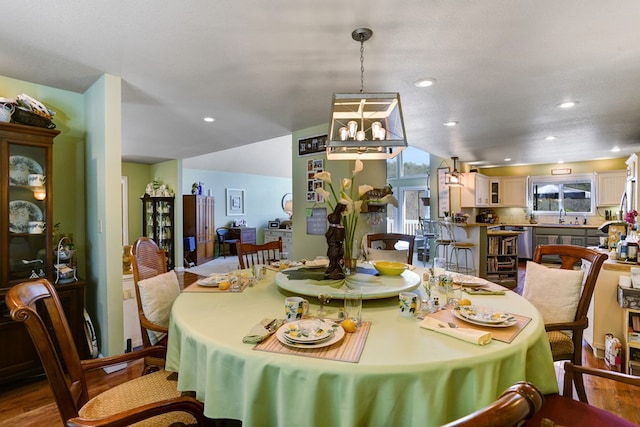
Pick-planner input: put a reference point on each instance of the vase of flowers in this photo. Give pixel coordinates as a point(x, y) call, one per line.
point(348, 196)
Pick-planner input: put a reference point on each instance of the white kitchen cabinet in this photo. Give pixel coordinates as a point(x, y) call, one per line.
point(611, 186)
point(475, 191)
point(495, 191)
point(272, 234)
point(513, 191)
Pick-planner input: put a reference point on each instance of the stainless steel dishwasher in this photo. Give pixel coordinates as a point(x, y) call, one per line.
point(525, 242)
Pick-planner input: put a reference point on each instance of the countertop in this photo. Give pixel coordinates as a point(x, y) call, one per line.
point(542, 225)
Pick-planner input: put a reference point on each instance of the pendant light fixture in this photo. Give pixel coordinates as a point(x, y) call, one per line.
point(365, 126)
point(454, 178)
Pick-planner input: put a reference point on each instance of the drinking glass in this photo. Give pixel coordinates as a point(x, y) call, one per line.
point(353, 305)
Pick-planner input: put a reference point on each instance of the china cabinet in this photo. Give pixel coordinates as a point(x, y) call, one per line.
point(26, 206)
point(157, 224)
point(198, 222)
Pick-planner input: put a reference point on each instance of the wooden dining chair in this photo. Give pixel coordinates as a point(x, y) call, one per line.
point(225, 240)
point(250, 254)
point(524, 405)
point(149, 261)
point(563, 295)
point(152, 399)
point(380, 246)
point(560, 410)
point(519, 402)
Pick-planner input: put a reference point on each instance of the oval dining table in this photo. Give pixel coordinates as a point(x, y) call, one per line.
point(406, 375)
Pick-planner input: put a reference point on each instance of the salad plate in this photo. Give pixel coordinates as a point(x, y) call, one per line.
point(19, 169)
point(501, 321)
point(309, 330)
point(336, 336)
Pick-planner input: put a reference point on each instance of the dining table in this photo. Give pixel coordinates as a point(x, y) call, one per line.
point(401, 373)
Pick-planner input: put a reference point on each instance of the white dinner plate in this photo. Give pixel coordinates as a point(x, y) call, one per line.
point(292, 331)
point(337, 336)
point(469, 281)
point(20, 213)
point(19, 169)
point(504, 324)
point(213, 280)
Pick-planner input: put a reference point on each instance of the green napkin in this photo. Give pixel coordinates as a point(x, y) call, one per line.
point(482, 291)
point(259, 332)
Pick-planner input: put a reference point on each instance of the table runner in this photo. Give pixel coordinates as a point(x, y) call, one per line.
point(348, 349)
point(499, 334)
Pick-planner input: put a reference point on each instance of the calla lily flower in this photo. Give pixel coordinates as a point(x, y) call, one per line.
point(363, 189)
point(359, 166)
point(346, 184)
point(324, 176)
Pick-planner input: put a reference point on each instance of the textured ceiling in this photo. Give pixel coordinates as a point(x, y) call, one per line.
point(264, 69)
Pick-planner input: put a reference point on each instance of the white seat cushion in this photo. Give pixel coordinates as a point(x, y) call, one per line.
point(385, 255)
point(553, 291)
point(157, 295)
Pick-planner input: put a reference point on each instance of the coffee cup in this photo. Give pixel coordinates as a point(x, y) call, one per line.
point(36, 227)
point(408, 304)
point(35, 180)
point(295, 308)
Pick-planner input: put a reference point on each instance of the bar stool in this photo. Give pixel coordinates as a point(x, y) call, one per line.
point(442, 241)
point(465, 248)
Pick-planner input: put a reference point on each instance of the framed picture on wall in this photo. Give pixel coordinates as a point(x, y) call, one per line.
point(313, 167)
point(443, 193)
point(235, 202)
point(312, 145)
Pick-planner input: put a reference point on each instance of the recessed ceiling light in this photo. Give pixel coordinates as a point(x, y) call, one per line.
point(560, 161)
point(425, 82)
point(508, 159)
point(615, 149)
point(450, 123)
point(209, 119)
point(567, 104)
point(550, 138)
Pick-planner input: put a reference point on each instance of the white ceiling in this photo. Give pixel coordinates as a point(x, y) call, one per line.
point(264, 69)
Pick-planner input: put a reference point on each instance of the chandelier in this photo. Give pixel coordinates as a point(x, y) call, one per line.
point(453, 178)
point(365, 126)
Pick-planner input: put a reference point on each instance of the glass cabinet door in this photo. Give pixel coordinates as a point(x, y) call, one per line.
point(157, 224)
point(29, 211)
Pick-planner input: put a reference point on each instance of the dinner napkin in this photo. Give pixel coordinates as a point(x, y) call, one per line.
point(483, 291)
point(259, 332)
point(469, 335)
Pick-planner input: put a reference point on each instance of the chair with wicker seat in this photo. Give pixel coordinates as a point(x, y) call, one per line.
point(383, 246)
point(149, 264)
point(563, 295)
point(152, 398)
point(250, 254)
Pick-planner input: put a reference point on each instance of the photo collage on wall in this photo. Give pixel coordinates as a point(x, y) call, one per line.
point(313, 167)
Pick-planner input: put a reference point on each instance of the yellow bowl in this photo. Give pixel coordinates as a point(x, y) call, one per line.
point(390, 268)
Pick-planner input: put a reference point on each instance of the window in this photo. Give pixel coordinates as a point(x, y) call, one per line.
point(571, 193)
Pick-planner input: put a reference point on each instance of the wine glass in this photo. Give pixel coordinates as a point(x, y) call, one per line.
point(324, 299)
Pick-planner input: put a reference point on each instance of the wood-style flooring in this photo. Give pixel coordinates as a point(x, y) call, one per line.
point(32, 404)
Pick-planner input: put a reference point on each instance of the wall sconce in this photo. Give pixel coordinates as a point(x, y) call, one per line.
point(39, 193)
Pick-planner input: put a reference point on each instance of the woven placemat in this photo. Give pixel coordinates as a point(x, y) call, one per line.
point(244, 282)
point(348, 349)
point(499, 334)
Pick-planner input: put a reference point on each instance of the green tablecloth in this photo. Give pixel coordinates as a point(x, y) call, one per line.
point(407, 375)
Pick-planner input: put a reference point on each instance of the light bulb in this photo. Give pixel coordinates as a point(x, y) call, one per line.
point(360, 136)
point(353, 127)
point(39, 193)
point(344, 133)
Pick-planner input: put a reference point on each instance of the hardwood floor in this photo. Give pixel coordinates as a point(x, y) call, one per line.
point(33, 404)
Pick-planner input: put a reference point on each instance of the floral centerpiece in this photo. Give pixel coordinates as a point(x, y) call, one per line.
point(347, 196)
point(630, 217)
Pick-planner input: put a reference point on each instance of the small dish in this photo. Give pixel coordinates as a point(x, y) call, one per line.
point(390, 268)
point(307, 331)
point(504, 324)
point(19, 169)
point(337, 335)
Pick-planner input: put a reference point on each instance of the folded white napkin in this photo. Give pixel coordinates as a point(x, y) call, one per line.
point(259, 332)
point(469, 335)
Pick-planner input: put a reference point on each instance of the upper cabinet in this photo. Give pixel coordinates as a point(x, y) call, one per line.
point(611, 186)
point(475, 192)
point(480, 191)
point(513, 191)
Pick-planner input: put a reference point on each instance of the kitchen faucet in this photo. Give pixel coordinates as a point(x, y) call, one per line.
point(560, 219)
